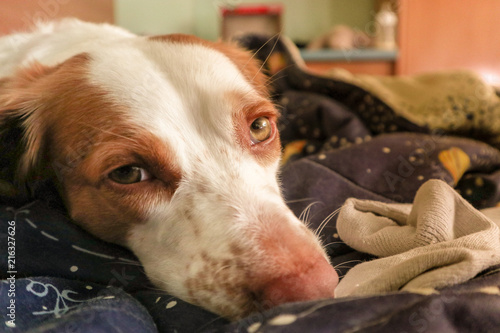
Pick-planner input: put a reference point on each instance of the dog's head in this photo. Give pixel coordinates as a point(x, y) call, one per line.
point(169, 146)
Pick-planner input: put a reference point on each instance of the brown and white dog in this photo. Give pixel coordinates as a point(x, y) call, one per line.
point(166, 145)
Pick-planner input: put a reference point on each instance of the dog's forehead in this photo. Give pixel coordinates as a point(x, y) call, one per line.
point(183, 93)
point(161, 79)
point(166, 77)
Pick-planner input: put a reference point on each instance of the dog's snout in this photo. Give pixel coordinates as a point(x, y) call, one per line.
point(294, 268)
point(316, 282)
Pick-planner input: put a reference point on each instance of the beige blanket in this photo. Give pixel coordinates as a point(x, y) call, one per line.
point(456, 101)
point(437, 241)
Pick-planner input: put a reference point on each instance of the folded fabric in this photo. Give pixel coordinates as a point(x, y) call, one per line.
point(437, 241)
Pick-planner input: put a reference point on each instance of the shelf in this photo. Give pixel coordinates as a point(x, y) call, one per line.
point(349, 55)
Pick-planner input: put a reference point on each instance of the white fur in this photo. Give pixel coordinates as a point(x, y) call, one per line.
point(53, 42)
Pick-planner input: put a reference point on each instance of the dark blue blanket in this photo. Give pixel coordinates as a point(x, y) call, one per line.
point(64, 280)
point(58, 278)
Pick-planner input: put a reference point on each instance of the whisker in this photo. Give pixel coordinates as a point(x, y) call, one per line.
point(274, 77)
point(254, 54)
point(347, 262)
point(331, 243)
point(301, 216)
point(304, 216)
point(135, 264)
point(323, 224)
point(339, 267)
point(270, 53)
point(344, 265)
point(298, 200)
point(308, 213)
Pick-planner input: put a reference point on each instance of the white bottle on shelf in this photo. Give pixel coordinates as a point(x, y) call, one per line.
point(386, 23)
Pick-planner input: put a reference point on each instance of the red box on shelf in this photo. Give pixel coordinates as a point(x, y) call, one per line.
point(263, 19)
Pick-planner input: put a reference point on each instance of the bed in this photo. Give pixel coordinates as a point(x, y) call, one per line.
point(416, 243)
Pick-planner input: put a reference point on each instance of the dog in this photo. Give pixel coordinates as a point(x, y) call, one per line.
point(167, 145)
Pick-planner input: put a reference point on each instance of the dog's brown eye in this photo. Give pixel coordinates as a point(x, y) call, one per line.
point(129, 174)
point(260, 130)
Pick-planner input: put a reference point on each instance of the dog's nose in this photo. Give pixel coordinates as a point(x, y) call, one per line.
point(318, 281)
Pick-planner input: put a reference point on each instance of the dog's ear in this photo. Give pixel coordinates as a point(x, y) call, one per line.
point(22, 133)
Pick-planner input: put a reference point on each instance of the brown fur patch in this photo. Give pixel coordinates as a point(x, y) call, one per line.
point(123, 205)
point(74, 129)
point(30, 95)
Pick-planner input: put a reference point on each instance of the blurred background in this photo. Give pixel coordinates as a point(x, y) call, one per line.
point(378, 37)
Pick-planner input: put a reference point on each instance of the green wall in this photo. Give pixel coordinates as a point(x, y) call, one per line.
point(302, 19)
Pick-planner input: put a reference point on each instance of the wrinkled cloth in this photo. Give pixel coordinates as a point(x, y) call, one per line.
point(439, 240)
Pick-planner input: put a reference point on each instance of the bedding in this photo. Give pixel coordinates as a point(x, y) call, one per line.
point(344, 142)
